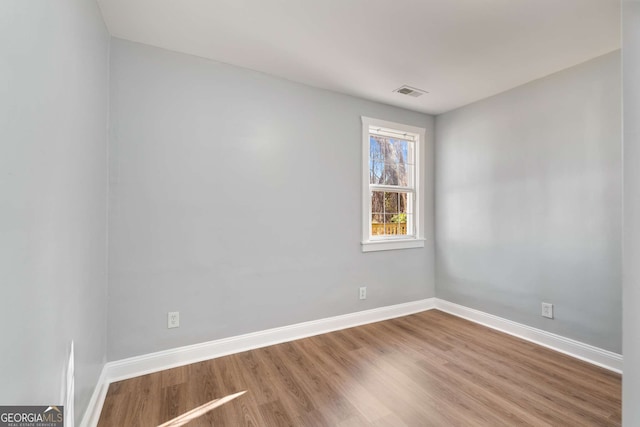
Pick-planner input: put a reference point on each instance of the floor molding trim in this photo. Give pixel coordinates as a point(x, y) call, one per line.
point(94, 409)
point(167, 359)
point(597, 356)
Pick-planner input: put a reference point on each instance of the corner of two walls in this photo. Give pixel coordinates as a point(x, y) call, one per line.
point(529, 207)
point(235, 199)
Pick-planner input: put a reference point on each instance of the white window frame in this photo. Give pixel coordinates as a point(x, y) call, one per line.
point(382, 243)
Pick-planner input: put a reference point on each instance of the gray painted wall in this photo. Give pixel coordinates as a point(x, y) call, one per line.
point(631, 274)
point(235, 199)
point(53, 187)
point(528, 203)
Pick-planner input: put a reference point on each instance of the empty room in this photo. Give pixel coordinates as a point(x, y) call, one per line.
point(319, 213)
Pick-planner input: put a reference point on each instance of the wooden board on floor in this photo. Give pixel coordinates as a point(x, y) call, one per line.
point(427, 369)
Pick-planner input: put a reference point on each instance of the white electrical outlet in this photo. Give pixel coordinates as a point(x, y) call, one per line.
point(547, 310)
point(363, 292)
point(173, 319)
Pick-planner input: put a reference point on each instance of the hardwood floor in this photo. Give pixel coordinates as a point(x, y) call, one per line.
point(427, 369)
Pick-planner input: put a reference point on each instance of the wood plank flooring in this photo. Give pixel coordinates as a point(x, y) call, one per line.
point(427, 369)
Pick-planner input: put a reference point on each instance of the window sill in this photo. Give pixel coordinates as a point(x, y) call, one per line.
point(388, 245)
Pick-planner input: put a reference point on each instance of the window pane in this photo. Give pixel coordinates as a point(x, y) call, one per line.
point(389, 161)
point(376, 172)
point(391, 225)
point(377, 204)
point(402, 203)
point(399, 150)
point(375, 152)
point(390, 213)
point(394, 150)
point(391, 202)
point(393, 174)
point(377, 228)
point(397, 228)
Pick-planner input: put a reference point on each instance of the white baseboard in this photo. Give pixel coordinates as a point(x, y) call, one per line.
point(94, 408)
point(597, 356)
point(167, 359)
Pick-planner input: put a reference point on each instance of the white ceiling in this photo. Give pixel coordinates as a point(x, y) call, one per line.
point(459, 51)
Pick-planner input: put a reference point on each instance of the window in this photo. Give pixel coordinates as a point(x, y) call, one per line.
point(391, 198)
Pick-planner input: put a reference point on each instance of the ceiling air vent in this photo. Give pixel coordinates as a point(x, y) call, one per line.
point(410, 91)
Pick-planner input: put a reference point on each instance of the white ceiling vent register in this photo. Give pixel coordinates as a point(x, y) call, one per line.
point(410, 91)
